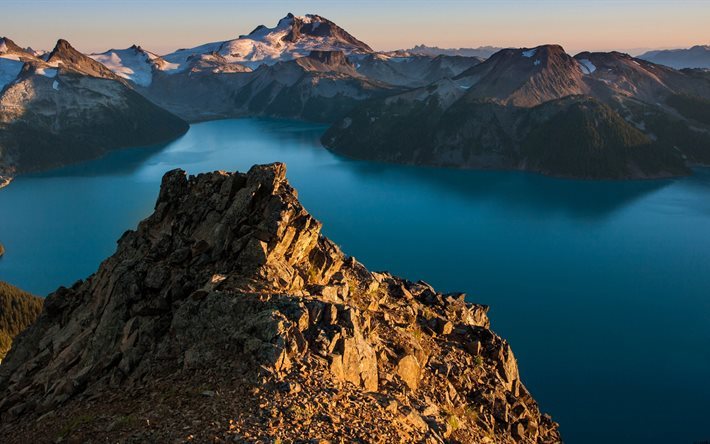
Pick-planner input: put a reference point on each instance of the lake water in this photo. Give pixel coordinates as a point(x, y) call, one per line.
point(602, 288)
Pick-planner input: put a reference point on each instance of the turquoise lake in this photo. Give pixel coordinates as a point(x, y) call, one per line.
point(602, 288)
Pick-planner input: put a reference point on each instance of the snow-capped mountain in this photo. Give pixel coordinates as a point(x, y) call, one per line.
point(291, 38)
point(134, 64)
point(69, 108)
point(12, 59)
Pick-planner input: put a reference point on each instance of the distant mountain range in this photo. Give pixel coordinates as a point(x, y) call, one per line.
point(595, 115)
point(695, 57)
point(433, 51)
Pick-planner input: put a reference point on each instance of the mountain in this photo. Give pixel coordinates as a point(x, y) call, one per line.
point(18, 309)
point(321, 86)
point(134, 64)
point(432, 51)
point(595, 115)
point(695, 57)
point(12, 59)
point(275, 72)
point(291, 38)
point(228, 316)
point(412, 70)
point(71, 108)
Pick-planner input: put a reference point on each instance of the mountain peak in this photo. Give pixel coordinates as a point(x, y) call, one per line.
point(64, 55)
point(7, 45)
point(292, 37)
point(231, 276)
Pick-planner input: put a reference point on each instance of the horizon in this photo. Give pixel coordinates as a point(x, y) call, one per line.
point(620, 26)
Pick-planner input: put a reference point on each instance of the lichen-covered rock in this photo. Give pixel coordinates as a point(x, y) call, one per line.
point(227, 316)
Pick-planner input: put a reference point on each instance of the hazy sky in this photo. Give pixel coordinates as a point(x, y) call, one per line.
point(165, 25)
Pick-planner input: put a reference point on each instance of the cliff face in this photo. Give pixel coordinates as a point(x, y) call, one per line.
point(227, 316)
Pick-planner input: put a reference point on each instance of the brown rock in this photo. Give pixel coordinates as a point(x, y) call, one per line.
point(409, 370)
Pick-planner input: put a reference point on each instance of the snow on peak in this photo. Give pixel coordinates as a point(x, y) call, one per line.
point(134, 64)
point(47, 72)
point(587, 66)
point(3, 46)
point(291, 38)
point(530, 53)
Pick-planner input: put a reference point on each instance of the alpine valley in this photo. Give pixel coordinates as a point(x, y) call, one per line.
point(594, 115)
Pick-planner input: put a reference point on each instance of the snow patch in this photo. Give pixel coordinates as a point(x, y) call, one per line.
point(529, 53)
point(47, 72)
point(587, 66)
point(537, 62)
point(3, 46)
point(55, 85)
point(9, 70)
point(132, 64)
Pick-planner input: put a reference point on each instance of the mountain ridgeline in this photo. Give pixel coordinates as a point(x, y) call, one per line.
point(594, 115)
point(228, 317)
point(69, 108)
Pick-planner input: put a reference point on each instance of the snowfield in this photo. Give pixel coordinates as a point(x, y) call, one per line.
point(132, 64)
point(9, 69)
point(587, 66)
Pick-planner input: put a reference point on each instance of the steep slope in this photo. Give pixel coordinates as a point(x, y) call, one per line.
point(72, 108)
point(597, 115)
point(526, 77)
point(321, 87)
point(227, 316)
point(696, 57)
point(18, 309)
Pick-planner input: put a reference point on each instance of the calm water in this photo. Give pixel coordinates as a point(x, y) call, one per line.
point(603, 289)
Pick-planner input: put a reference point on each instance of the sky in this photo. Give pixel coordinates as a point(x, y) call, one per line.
point(165, 25)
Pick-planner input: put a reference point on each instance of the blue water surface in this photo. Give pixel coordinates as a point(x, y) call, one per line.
point(602, 288)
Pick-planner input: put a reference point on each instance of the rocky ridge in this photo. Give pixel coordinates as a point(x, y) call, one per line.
point(592, 116)
point(227, 317)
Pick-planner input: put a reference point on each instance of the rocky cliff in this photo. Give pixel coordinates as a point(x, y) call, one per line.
point(227, 317)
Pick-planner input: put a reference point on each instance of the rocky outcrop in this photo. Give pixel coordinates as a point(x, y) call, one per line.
point(227, 316)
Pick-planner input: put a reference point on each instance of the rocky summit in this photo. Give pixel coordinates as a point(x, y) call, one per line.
point(227, 316)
